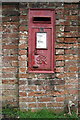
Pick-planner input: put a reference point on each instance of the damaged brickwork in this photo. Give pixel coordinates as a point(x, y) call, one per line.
point(37, 91)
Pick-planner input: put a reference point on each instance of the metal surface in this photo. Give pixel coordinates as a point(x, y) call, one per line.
point(41, 40)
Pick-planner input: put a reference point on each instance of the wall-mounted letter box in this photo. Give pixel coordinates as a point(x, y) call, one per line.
point(41, 40)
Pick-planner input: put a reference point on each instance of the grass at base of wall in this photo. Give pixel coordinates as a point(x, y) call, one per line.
point(45, 113)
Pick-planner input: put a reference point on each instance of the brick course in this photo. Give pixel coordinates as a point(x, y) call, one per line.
point(37, 91)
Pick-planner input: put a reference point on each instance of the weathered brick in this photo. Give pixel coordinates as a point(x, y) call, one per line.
point(22, 70)
point(71, 28)
point(70, 40)
point(15, 63)
point(23, 46)
point(24, 75)
point(71, 57)
point(22, 82)
point(22, 94)
point(32, 105)
point(23, 52)
point(10, 35)
point(71, 6)
point(71, 68)
point(59, 57)
point(10, 19)
point(60, 51)
point(44, 99)
point(42, 105)
point(71, 51)
point(71, 17)
point(59, 63)
point(60, 99)
point(10, 46)
point(60, 40)
point(22, 57)
point(11, 58)
point(55, 104)
point(59, 69)
point(27, 99)
point(10, 81)
point(71, 34)
point(9, 69)
point(40, 90)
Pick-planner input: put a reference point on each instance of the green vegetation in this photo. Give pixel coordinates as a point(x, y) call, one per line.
point(15, 113)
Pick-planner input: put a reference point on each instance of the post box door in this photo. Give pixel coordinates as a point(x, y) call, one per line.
point(40, 52)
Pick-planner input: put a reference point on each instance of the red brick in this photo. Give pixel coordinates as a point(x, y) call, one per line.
point(59, 57)
point(60, 40)
point(71, 45)
point(60, 45)
point(23, 46)
point(23, 63)
point(22, 58)
point(22, 28)
point(71, 17)
point(9, 69)
point(22, 82)
point(60, 11)
point(70, 6)
point(27, 99)
point(9, 92)
point(55, 104)
point(10, 58)
point(10, 81)
point(37, 93)
point(71, 69)
point(44, 99)
point(59, 69)
point(67, 22)
point(10, 7)
point(10, 35)
point(71, 34)
point(71, 51)
point(60, 75)
point(70, 63)
point(32, 105)
point(23, 75)
point(11, 23)
point(70, 40)
point(7, 75)
point(60, 99)
point(69, 74)
point(11, 19)
point(15, 63)
point(23, 17)
point(42, 105)
point(72, 28)
point(7, 41)
point(22, 70)
point(73, 92)
point(22, 94)
point(23, 52)
point(71, 57)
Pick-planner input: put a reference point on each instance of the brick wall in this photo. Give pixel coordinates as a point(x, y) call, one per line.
point(10, 42)
point(37, 91)
point(0, 60)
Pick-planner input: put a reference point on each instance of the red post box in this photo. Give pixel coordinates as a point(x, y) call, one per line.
point(41, 40)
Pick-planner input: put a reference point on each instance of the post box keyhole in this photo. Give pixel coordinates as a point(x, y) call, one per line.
point(41, 29)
